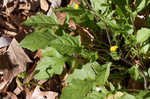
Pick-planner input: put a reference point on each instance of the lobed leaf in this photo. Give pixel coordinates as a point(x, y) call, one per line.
point(143, 95)
point(103, 74)
point(42, 20)
point(127, 96)
point(67, 44)
point(38, 39)
point(77, 90)
point(50, 64)
point(142, 35)
point(142, 4)
point(134, 72)
point(85, 72)
point(98, 5)
point(95, 95)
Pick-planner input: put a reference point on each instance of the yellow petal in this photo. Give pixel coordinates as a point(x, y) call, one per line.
point(113, 48)
point(76, 6)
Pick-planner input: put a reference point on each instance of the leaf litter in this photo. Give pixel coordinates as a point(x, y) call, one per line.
point(15, 60)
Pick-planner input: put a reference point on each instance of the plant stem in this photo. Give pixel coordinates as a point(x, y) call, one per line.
point(107, 29)
point(144, 77)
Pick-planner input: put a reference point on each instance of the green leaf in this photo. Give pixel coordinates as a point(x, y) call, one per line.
point(127, 96)
point(67, 44)
point(142, 4)
point(42, 20)
point(142, 35)
point(115, 55)
point(87, 19)
point(148, 20)
point(112, 88)
point(50, 64)
point(98, 5)
point(92, 56)
point(95, 95)
point(38, 39)
point(51, 52)
point(134, 72)
point(121, 8)
point(145, 49)
point(103, 74)
point(120, 11)
point(143, 95)
point(149, 72)
point(43, 70)
point(78, 89)
point(85, 72)
point(71, 11)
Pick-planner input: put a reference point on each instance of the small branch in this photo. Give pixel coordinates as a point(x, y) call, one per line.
point(139, 69)
point(88, 4)
point(126, 61)
point(90, 8)
point(86, 31)
point(93, 70)
point(138, 55)
point(144, 77)
point(107, 29)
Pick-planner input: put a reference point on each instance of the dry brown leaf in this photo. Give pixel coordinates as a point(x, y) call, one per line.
point(61, 16)
point(74, 1)
point(38, 94)
point(11, 9)
point(19, 87)
point(87, 36)
point(54, 4)
point(8, 95)
point(5, 2)
point(4, 41)
point(10, 25)
point(6, 25)
point(38, 54)
point(17, 91)
point(3, 84)
point(12, 95)
point(72, 25)
point(25, 6)
point(44, 5)
point(34, 4)
point(17, 56)
point(10, 33)
point(2, 50)
point(13, 61)
point(139, 22)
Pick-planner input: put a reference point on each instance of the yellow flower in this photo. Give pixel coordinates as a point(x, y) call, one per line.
point(113, 48)
point(77, 6)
